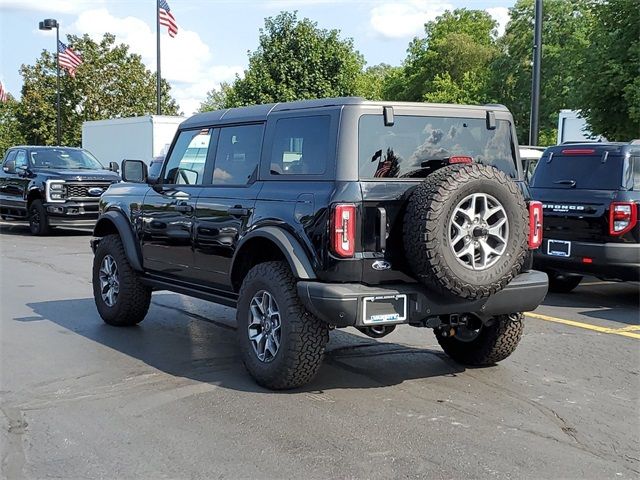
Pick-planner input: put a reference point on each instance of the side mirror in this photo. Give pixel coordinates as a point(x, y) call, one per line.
point(23, 171)
point(9, 167)
point(134, 171)
point(114, 167)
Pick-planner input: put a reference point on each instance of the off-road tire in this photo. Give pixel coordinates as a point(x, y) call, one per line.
point(303, 336)
point(561, 283)
point(41, 227)
point(493, 344)
point(426, 230)
point(134, 298)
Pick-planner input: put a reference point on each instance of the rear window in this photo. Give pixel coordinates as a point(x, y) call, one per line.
point(406, 149)
point(584, 172)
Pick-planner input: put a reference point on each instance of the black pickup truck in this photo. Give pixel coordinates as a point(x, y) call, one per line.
point(52, 186)
point(332, 213)
point(590, 194)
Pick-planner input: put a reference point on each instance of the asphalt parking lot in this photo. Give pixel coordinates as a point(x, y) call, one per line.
point(170, 398)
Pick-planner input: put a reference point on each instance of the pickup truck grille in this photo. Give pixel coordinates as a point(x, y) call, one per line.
point(80, 191)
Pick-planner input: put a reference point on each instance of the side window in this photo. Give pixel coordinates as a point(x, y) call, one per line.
point(21, 159)
point(11, 156)
point(300, 146)
point(238, 154)
point(636, 172)
point(188, 158)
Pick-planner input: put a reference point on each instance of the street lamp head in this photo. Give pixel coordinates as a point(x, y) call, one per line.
point(48, 24)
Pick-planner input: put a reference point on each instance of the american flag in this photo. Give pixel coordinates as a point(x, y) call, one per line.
point(69, 59)
point(3, 93)
point(166, 18)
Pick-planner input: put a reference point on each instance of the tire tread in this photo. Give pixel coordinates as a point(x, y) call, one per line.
point(422, 224)
point(134, 298)
point(304, 348)
point(495, 342)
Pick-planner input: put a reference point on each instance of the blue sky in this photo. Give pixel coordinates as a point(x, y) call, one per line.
point(214, 35)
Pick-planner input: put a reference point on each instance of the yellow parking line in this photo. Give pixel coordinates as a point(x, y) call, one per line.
point(625, 331)
point(630, 328)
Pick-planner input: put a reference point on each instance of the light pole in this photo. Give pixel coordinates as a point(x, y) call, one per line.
point(50, 24)
point(535, 78)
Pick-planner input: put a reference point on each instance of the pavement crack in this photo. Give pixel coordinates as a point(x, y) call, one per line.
point(565, 427)
point(13, 459)
point(49, 266)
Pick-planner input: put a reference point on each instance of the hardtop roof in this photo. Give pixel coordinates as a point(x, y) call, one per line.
point(599, 147)
point(259, 113)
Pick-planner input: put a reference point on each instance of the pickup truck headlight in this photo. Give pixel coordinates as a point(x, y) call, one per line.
point(56, 191)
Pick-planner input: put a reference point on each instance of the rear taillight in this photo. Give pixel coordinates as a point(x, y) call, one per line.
point(535, 225)
point(623, 216)
point(343, 230)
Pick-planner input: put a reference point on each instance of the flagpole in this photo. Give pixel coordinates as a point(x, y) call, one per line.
point(158, 75)
point(58, 120)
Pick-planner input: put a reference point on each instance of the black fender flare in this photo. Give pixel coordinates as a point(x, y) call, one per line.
point(289, 246)
point(30, 191)
point(128, 238)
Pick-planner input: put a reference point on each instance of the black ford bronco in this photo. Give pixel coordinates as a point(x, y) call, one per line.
point(53, 186)
point(313, 215)
point(590, 194)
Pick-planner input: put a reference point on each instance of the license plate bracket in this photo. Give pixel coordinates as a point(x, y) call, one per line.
point(559, 248)
point(384, 309)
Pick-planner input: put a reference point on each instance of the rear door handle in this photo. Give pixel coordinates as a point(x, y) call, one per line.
point(238, 211)
point(184, 207)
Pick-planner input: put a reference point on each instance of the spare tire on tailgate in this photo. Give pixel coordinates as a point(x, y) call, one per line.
point(465, 230)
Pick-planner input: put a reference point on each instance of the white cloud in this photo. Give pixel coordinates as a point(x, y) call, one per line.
point(187, 62)
point(49, 6)
point(405, 18)
point(500, 15)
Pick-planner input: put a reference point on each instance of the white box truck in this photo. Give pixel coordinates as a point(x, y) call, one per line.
point(137, 138)
point(573, 128)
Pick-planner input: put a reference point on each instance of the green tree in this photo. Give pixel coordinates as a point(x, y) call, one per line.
point(451, 62)
point(111, 82)
point(566, 25)
point(297, 60)
point(219, 98)
point(609, 84)
point(371, 81)
point(10, 133)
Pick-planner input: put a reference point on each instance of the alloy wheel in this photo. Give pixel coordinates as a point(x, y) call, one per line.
point(478, 231)
point(264, 326)
point(34, 219)
point(109, 280)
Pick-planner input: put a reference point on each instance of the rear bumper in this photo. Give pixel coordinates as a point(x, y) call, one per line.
point(620, 261)
point(340, 304)
point(72, 214)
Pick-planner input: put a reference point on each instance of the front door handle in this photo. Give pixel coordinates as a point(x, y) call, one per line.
point(184, 207)
point(238, 211)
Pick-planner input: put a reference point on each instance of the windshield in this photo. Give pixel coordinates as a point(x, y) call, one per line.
point(583, 172)
point(410, 147)
point(64, 158)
